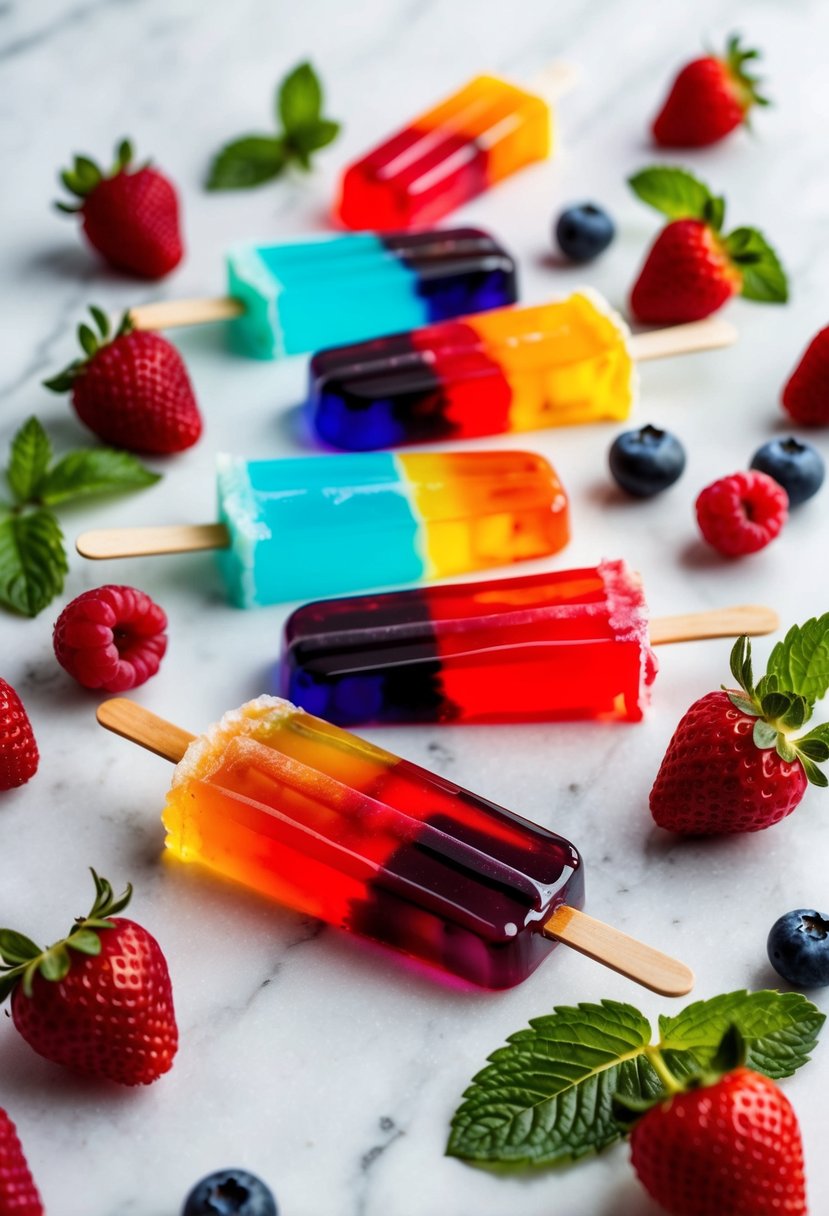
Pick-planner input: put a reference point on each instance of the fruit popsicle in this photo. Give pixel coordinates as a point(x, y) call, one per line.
point(513, 369)
point(337, 828)
point(303, 527)
point(299, 296)
point(481, 134)
point(564, 644)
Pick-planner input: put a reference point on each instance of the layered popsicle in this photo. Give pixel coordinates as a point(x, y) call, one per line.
point(295, 297)
point(303, 527)
point(514, 369)
point(561, 645)
point(464, 145)
point(326, 823)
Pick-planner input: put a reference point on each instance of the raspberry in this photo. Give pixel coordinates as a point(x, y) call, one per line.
point(111, 638)
point(742, 513)
point(18, 750)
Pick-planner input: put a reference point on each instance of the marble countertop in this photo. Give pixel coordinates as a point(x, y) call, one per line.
point(324, 1066)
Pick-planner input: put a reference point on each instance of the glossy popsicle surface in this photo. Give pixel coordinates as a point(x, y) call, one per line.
point(305, 527)
point(300, 296)
point(448, 155)
point(563, 645)
point(513, 369)
point(339, 829)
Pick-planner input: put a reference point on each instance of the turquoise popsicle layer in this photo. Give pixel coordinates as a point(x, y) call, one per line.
point(302, 526)
point(300, 297)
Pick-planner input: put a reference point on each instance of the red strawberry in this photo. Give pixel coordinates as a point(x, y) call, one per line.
point(734, 763)
point(725, 1145)
point(709, 98)
point(18, 1193)
point(692, 269)
point(806, 395)
point(130, 216)
point(18, 751)
point(133, 391)
point(100, 1001)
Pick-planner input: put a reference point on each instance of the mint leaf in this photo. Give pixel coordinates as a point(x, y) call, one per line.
point(764, 279)
point(305, 140)
point(95, 471)
point(674, 192)
point(546, 1097)
point(780, 1030)
point(247, 162)
point(32, 561)
point(30, 454)
point(299, 102)
point(801, 660)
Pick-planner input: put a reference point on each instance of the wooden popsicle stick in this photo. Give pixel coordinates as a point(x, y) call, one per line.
point(104, 543)
point(631, 958)
point(598, 941)
point(751, 619)
point(170, 314)
point(682, 339)
point(132, 721)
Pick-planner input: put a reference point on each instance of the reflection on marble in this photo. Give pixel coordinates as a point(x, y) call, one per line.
point(327, 1067)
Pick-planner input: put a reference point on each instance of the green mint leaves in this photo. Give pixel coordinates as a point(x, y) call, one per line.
point(255, 159)
point(796, 677)
point(546, 1097)
point(679, 195)
point(33, 560)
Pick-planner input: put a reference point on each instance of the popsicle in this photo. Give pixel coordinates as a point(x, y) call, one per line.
point(303, 527)
point(467, 143)
point(566, 644)
point(337, 828)
point(513, 369)
point(294, 297)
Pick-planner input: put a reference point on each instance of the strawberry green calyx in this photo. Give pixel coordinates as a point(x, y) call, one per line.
point(730, 1054)
point(747, 86)
point(783, 699)
point(22, 959)
point(85, 175)
point(91, 342)
point(679, 195)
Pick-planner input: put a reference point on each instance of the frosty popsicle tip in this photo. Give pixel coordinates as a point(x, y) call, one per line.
point(306, 813)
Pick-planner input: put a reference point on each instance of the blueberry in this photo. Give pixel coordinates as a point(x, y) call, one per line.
point(798, 948)
point(647, 461)
point(230, 1193)
point(795, 465)
point(584, 231)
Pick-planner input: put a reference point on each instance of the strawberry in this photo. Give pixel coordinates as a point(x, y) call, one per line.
point(18, 751)
point(692, 268)
point(806, 395)
point(132, 390)
point(734, 763)
point(130, 215)
point(725, 1142)
point(18, 1193)
point(100, 1001)
point(709, 98)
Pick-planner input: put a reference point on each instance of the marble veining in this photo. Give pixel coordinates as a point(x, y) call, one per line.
point(330, 1068)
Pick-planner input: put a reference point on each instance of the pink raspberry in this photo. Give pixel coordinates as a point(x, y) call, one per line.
point(742, 513)
point(111, 638)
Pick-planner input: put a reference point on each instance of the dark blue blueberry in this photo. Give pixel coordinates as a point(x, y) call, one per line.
point(584, 231)
point(646, 461)
point(798, 948)
point(230, 1193)
point(795, 465)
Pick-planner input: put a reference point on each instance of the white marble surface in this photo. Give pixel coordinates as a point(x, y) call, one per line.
point(327, 1067)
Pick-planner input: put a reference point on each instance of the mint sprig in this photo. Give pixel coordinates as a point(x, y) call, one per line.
point(679, 195)
point(254, 159)
point(796, 677)
point(33, 562)
point(547, 1097)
